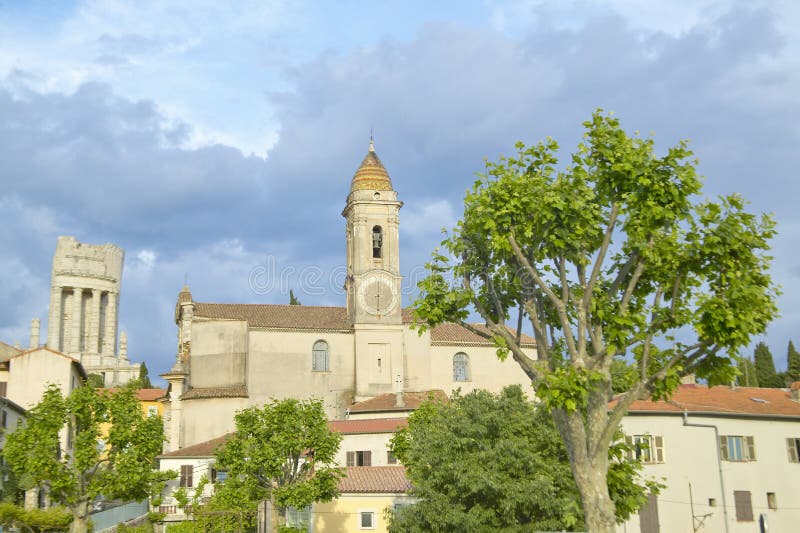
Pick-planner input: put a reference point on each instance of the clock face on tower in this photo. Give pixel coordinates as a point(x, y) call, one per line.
point(377, 294)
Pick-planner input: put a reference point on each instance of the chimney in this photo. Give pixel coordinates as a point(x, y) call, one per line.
point(35, 326)
point(794, 389)
point(399, 402)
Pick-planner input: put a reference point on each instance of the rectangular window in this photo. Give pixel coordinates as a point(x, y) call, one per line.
point(298, 518)
point(186, 476)
point(647, 449)
point(390, 458)
point(367, 520)
point(772, 501)
point(218, 476)
point(793, 447)
point(744, 505)
point(152, 410)
point(359, 458)
point(737, 448)
point(3, 386)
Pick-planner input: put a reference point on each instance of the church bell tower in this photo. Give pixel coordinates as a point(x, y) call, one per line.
point(374, 305)
point(373, 245)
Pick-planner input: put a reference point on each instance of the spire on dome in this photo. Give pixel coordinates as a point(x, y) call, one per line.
point(371, 175)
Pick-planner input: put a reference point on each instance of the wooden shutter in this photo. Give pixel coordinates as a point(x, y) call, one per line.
point(3, 386)
point(723, 447)
point(629, 442)
point(791, 446)
point(367, 458)
point(658, 452)
point(351, 458)
point(186, 475)
point(744, 505)
point(751, 448)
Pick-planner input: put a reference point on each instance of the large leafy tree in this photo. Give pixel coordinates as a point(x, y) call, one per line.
point(495, 462)
point(765, 367)
point(62, 447)
point(792, 363)
point(611, 255)
point(283, 452)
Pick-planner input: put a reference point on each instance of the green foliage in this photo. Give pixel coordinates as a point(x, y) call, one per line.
point(623, 375)
point(34, 520)
point(765, 367)
point(293, 299)
point(284, 452)
point(495, 462)
point(142, 528)
point(144, 377)
point(609, 256)
point(748, 377)
point(95, 381)
point(122, 468)
point(792, 363)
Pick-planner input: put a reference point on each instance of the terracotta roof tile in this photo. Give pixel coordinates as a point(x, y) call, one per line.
point(239, 391)
point(149, 395)
point(373, 425)
point(311, 317)
point(201, 449)
point(721, 400)
point(374, 479)
point(388, 402)
point(451, 333)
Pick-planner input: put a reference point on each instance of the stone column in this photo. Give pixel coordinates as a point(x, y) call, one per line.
point(77, 330)
point(110, 334)
point(55, 320)
point(94, 323)
point(35, 325)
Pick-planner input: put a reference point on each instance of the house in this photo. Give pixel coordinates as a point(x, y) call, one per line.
point(729, 456)
point(231, 355)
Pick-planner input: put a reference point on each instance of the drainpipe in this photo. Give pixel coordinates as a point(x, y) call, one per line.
point(719, 463)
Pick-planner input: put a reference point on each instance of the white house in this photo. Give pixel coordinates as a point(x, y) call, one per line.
point(728, 457)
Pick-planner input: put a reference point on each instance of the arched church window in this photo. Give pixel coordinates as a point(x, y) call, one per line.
point(460, 367)
point(377, 242)
point(319, 357)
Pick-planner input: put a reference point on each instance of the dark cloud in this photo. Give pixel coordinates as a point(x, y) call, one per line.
point(107, 168)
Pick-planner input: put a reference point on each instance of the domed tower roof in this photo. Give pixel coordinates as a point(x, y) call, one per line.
point(371, 175)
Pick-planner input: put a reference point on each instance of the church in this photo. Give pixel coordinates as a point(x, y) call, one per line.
point(362, 358)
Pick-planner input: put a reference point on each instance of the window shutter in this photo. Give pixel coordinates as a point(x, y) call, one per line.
point(351, 458)
point(744, 505)
point(3, 385)
point(751, 448)
point(658, 456)
point(368, 458)
point(629, 443)
point(723, 447)
point(791, 446)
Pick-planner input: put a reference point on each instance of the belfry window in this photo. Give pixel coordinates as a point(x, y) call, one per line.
point(377, 242)
point(319, 359)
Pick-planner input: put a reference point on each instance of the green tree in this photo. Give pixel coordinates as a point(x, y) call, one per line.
point(495, 462)
point(748, 377)
point(792, 363)
point(144, 377)
point(81, 467)
point(608, 257)
point(765, 367)
point(283, 452)
point(293, 299)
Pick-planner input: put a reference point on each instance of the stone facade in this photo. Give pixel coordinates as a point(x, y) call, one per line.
point(84, 304)
point(232, 356)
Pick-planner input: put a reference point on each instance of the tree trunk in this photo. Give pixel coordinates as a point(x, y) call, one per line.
point(80, 518)
point(589, 467)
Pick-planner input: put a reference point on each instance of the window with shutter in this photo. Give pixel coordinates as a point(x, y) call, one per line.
point(793, 447)
point(744, 505)
point(751, 448)
point(186, 476)
point(723, 447)
point(658, 449)
point(648, 449)
point(3, 386)
point(737, 448)
point(351, 458)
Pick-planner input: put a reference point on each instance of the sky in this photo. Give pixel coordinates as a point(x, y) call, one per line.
point(215, 141)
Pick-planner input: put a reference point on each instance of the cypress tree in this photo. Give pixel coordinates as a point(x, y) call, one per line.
point(748, 376)
point(293, 299)
point(765, 367)
point(144, 377)
point(792, 364)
